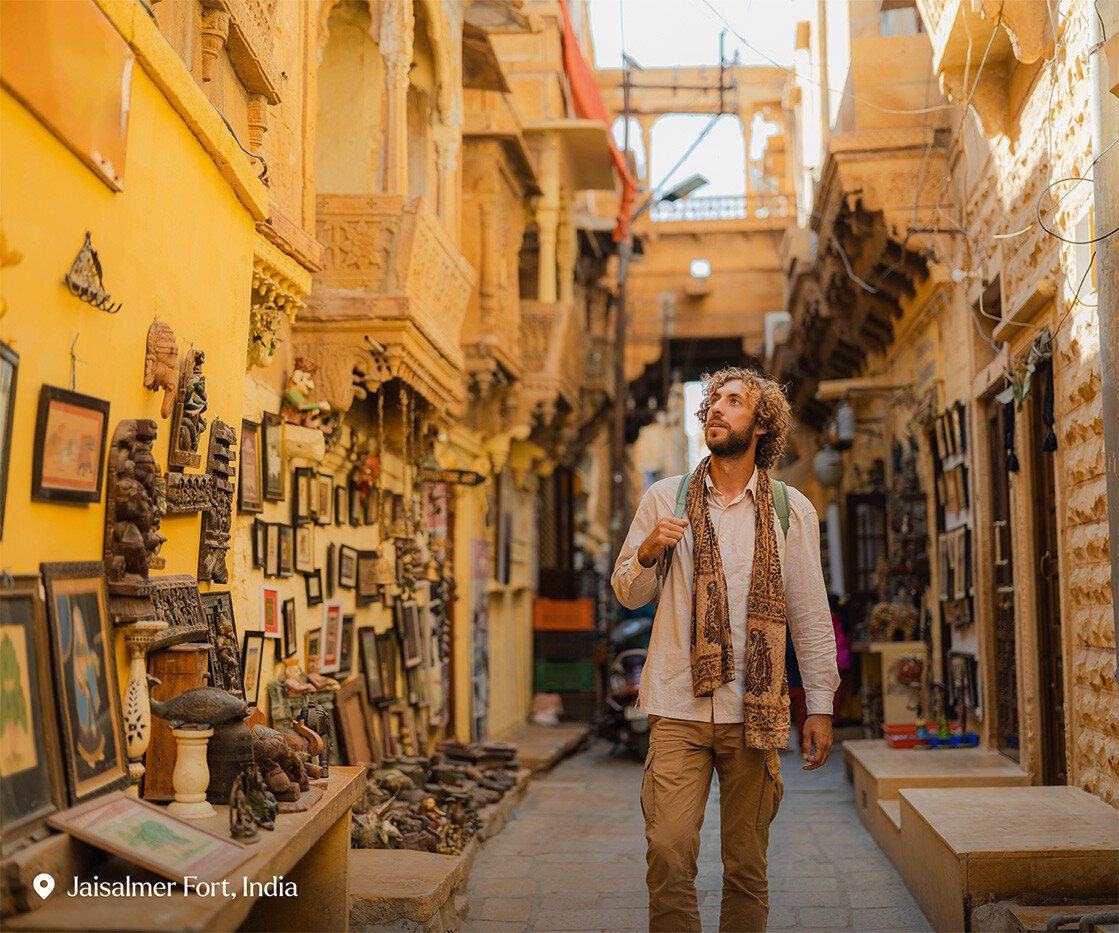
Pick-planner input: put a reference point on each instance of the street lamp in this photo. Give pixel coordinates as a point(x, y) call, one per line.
point(625, 251)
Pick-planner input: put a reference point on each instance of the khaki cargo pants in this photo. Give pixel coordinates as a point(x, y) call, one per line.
point(682, 756)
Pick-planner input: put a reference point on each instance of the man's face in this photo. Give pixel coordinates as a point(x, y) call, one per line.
point(731, 428)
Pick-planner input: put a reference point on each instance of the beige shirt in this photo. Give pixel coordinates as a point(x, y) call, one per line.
point(666, 681)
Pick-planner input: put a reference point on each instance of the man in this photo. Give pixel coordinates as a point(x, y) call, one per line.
point(714, 682)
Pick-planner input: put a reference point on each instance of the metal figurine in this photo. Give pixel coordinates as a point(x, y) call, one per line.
point(242, 822)
point(262, 802)
point(84, 279)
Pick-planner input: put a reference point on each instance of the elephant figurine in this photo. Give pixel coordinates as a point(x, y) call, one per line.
point(282, 765)
point(307, 744)
point(316, 717)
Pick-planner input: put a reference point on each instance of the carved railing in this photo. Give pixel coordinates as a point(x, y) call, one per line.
point(553, 351)
point(730, 207)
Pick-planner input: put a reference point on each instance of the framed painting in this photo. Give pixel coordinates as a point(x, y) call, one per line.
point(367, 589)
point(408, 625)
point(302, 493)
point(272, 551)
point(9, 369)
point(345, 654)
point(331, 637)
point(287, 550)
point(249, 494)
point(30, 761)
point(386, 652)
point(312, 656)
point(260, 542)
point(355, 725)
point(356, 511)
point(290, 642)
point(341, 506)
point(252, 663)
point(225, 658)
point(331, 550)
point(272, 456)
point(304, 549)
point(149, 836)
point(371, 664)
point(69, 455)
point(270, 611)
point(324, 498)
point(347, 567)
point(313, 581)
point(87, 690)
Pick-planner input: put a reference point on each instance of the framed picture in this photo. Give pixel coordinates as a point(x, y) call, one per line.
point(386, 652)
point(272, 456)
point(408, 625)
point(345, 657)
point(355, 725)
point(272, 551)
point(304, 549)
point(290, 643)
point(331, 637)
point(302, 478)
point(313, 650)
point(287, 550)
point(367, 590)
point(149, 836)
point(9, 369)
point(331, 550)
point(356, 511)
point(313, 580)
point(225, 656)
point(69, 458)
point(324, 503)
point(371, 664)
point(252, 662)
point(249, 494)
point(347, 567)
point(944, 566)
point(85, 677)
point(341, 507)
point(30, 763)
point(260, 542)
point(270, 611)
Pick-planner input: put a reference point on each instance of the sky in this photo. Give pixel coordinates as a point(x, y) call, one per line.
point(664, 33)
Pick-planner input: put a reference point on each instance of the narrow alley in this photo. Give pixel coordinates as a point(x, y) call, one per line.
point(574, 857)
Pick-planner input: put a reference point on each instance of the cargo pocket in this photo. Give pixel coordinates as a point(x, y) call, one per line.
point(773, 789)
point(648, 791)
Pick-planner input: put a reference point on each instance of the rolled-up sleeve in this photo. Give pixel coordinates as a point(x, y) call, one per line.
point(806, 599)
point(633, 584)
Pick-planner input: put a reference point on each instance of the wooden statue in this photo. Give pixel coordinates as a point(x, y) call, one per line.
point(190, 405)
point(299, 406)
point(217, 519)
point(161, 364)
point(132, 515)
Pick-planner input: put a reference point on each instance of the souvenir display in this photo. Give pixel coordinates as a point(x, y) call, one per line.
point(313, 581)
point(161, 364)
point(366, 583)
point(347, 567)
point(302, 495)
point(290, 643)
point(331, 637)
point(281, 765)
point(272, 459)
point(69, 453)
point(187, 492)
point(355, 725)
point(252, 662)
point(408, 625)
point(316, 717)
point(132, 513)
point(345, 655)
point(87, 690)
point(250, 496)
point(287, 550)
point(175, 601)
point(217, 519)
point(9, 369)
point(270, 611)
point(304, 549)
point(371, 663)
point(272, 550)
point(188, 423)
point(225, 655)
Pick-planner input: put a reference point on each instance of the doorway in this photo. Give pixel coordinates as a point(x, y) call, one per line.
point(1002, 593)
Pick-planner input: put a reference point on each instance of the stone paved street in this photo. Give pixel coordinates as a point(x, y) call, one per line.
point(574, 857)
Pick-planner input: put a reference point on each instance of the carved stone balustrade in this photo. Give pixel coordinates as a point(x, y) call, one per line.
point(553, 348)
point(389, 302)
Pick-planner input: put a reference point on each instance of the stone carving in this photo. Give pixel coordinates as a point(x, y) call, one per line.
point(186, 493)
point(190, 405)
point(217, 520)
point(161, 364)
point(357, 234)
point(299, 407)
point(176, 601)
point(215, 30)
point(132, 515)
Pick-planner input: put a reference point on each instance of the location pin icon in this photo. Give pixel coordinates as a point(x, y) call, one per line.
point(44, 884)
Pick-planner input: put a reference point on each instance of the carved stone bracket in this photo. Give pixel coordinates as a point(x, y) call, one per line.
point(217, 519)
point(215, 30)
point(274, 297)
point(248, 42)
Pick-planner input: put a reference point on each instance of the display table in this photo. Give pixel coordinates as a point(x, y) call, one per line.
point(310, 849)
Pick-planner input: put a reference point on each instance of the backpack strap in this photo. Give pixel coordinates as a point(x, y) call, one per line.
point(781, 503)
point(678, 512)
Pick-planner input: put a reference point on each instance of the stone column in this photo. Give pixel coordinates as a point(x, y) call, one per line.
point(547, 217)
point(566, 247)
point(745, 118)
point(396, 47)
point(448, 141)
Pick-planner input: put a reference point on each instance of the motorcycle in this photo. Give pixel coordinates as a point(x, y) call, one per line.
point(620, 721)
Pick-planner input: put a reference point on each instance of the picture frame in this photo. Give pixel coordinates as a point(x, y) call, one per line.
point(9, 372)
point(372, 674)
point(304, 549)
point(341, 504)
point(367, 590)
point(357, 514)
point(225, 656)
point(87, 691)
point(147, 835)
point(345, 655)
point(331, 637)
point(260, 542)
point(272, 550)
point(387, 653)
point(272, 456)
point(369, 506)
point(250, 496)
point(287, 550)
point(312, 651)
point(355, 725)
point(252, 665)
point(313, 582)
point(324, 499)
point(408, 627)
point(291, 642)
point(301, 495)
point(347, 567)
point(32, 757)
point(68, 464)
point(331, 550)
point(270, 611)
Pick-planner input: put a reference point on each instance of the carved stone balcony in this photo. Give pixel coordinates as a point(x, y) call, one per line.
point(393, 280)
point(553, 347)
point(772, 208)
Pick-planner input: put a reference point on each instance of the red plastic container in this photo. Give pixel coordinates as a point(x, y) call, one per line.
point(904, 734)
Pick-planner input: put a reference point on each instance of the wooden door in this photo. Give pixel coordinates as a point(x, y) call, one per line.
point(179, 668)
point(866, 543)
point(1005, 667)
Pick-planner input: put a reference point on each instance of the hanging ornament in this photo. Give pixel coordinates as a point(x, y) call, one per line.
point(1008, 436)
point(1049, 443)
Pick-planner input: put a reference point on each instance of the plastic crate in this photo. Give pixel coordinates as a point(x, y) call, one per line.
point(563, 615)
point(563, 676)
point(563, 646)
point(904, 734)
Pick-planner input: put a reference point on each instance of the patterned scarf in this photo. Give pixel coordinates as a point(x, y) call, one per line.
point(766, 692)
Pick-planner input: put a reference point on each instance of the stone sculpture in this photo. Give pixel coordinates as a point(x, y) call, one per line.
point(161, 364)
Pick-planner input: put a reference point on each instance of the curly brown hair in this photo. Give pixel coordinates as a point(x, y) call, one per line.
point(770, 403)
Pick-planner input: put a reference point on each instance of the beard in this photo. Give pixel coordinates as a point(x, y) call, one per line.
point(735, 444)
